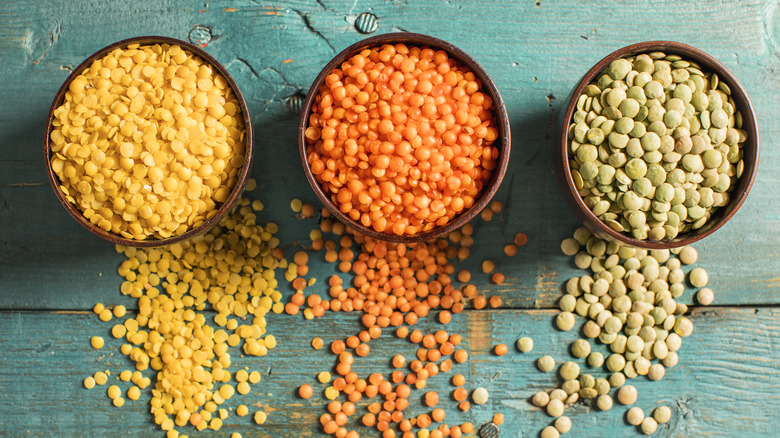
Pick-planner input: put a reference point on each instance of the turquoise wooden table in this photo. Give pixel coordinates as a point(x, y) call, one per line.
point(52, 271)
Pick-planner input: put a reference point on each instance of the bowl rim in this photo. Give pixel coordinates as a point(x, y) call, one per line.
point(243, 176)
point(488, 86)
point(750, 124)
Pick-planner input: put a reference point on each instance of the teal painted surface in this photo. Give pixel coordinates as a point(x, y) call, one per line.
point(534, 52)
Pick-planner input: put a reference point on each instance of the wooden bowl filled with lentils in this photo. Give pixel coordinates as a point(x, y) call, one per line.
point(404, 137)
point(658, 146)
point(148, 142)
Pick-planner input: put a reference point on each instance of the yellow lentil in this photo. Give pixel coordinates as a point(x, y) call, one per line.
point(118, 402)
point(296, 205)
point(242, 410)
point(119, 311)
point(251, 185)
point(260, 417)
point(89, 382)
point(254, 377)
point(113, 392)
point(96, 342)
point(243, 388)
point(168, 141)
point(125, 375)
point(105, 315)
point(323, 377)
point(100, 378)
point(331, 393)
point(133, 392)
point(118, 331)
point(97, 308)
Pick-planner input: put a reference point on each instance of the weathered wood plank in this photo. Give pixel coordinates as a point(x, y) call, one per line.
point(726, 381)
point(535, 54)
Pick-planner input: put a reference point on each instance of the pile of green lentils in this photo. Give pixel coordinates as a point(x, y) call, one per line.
point(628, 300)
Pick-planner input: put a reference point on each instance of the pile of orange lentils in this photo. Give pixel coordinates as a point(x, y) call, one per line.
point(394, 285)
point(401, 138)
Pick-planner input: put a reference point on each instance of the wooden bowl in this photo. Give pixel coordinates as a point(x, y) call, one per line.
point(503, 142)
point(223, 209)
point(750, 147)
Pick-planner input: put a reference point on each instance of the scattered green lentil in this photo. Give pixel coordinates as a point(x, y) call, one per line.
point(565, 321)
point(627, 395)
point(581, 348)
point(480, 396)
point(698, 277)
point(563, 424)
point(545, 364)
point(649, 426)
point(569, 371)
point(540, 399)
point(705, 296)
point(604, 402)
point(635, 416)
point(662, 414)
point(555, 408)
point(525, 344)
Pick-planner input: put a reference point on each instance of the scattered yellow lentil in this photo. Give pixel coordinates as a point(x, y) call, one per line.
point(118, 402)
point(118, 331)
point(119, 311)
point(97, 308)
point(133, 392)
point(113, 392)
point(89, 382)
point(254, 377)
point(296, 205)
point(260, 417)
point(242, 410)
point(96, 342)
point(125, 375)
point(100, 378)
point(251, 185)
point(323, 377)
point(105, 315)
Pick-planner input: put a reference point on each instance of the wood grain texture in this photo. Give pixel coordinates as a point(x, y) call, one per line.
point(52, 270)
point(724, 385)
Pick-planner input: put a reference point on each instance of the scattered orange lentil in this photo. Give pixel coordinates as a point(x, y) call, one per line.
point(498, 278)
point(299, 284)
point(496, 207)
point(305, 391)
point(431, 399)
point(438, 415)
point(496, 301)
point(520, 239)
point(487, 215)
point(404, 123)
point(500, 349)
point(307, 211)
point(464, 406)
point(460, 394)
point(461, 356)
point(498, 419)
point(458, 380)
point(510, 250)
point(480, 302)
point(445, 317)
point(488, 266)
point(464, 276)
point(317, 343)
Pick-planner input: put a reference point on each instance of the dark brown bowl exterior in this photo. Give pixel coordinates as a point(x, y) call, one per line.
point(235, 195)
point(503, 143)
point(750, 148)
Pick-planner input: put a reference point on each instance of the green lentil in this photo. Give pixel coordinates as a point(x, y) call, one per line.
point(525, 344)
point(563, 424)
point(635, 416)
point(616, 380)
point(549, 432)
point(581, 348)
point(569, 371)
point(649, 426)
point(641, 138)
point(604, 402)
point(627, 395)
point(705, 296)
point(555, 408)
point(480, 396)
point(545, 364)
point(698, 277)
point(540, 399)
point(565, 321)
point(662, 414)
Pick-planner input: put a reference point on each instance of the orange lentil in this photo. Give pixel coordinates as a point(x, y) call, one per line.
point(496, 301)
point(436, 434)
point(291, 309)
point(305, 391)
point(408, 132)
point(487, 215)
point(317, 343)
point(500, 349)
point(434, 355)
point(423, 421)
point(458, 380)
point(456, 432)
point(441, 336)
point(438, 415)
point(297, 298)
point(498, 418)
point(455, 339)
point(399, 361)
point(464, 406)
point(416, 336)
point(307, 211)
point(460, 394)
point(431, 398)
point(488, 266)
point(467, 427)
point(445, 317)
point(301, 258)
point(422, 353)
point(334, 407)
point(402, 332)
point(337, 346)
point(498, 278)
point(429, 341)
point(480, 302)
point(464, 276)
point(299, 284)
point(496, 207)
point(445, 365)
point(352, 341)
point(510, 250)
point(520, 239)
point(397, 376)
point(461, 356)
point(362, 350)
